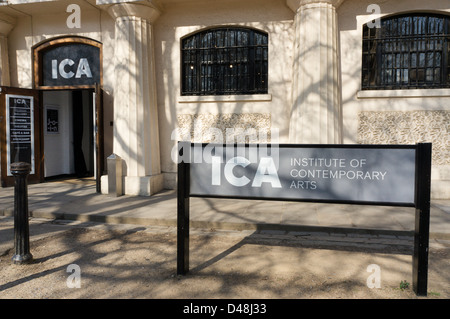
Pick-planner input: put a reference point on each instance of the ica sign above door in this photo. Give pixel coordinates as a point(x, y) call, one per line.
point(68, 62)
point(72, 64)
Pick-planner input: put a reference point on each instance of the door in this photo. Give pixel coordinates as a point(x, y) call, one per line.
point(83, 132)
point(20, 133)
point(70, 134)
point(58, 137)
point(98, 135)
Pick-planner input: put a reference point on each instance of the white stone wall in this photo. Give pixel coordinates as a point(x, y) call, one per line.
point(181, 18)
point(368, 115)
point(314, 91)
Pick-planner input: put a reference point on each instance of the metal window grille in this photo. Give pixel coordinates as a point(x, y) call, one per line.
point(223, 61)
point(407, 52)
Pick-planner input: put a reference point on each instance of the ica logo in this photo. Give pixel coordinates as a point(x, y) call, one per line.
point(266, 172)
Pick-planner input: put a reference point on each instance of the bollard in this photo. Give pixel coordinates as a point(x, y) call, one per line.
point(22, 253)
point(114, 163)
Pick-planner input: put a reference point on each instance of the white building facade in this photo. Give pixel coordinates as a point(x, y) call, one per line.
point(300, 71)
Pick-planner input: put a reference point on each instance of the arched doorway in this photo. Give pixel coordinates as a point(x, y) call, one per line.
point(67, 71)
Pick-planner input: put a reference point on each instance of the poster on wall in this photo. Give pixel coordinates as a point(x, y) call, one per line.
point(52, 115)
point(20, 130)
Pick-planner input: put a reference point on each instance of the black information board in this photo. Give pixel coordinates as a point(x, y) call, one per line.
point(20, 130)
point(391, 175)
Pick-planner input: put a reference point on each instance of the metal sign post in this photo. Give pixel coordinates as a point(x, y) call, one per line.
point(183, 217)
point(22, 253)
point(422, 219)
point(380, 175)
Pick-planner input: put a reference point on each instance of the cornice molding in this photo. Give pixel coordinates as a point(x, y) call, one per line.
point(7, 23)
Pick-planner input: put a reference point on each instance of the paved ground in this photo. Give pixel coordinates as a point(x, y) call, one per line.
point(77, 200)
point(123, 261)
point(126, 247)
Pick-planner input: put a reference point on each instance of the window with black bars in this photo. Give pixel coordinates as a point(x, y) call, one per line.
point(224, 61)
point(407, 52)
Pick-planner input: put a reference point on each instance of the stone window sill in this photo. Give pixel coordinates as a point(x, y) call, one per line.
point(225, 98)
point(368, 94)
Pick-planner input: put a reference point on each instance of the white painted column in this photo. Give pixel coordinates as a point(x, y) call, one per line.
point(6, 25)
point(136, 134)
point(316, 103)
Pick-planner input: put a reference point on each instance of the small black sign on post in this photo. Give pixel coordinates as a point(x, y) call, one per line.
point(22, 253)
point(379, 175)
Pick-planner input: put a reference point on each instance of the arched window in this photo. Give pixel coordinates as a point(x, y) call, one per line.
point(225, 60)
point(407, 52)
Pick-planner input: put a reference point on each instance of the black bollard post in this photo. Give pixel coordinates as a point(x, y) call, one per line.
point(22, 253)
